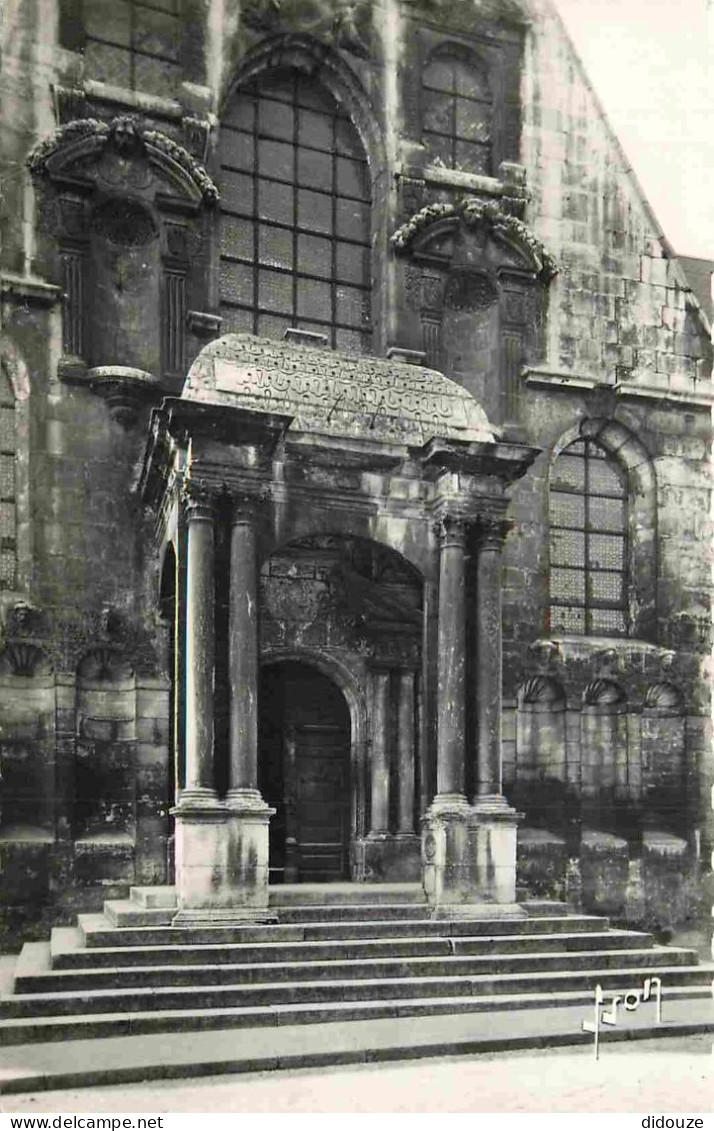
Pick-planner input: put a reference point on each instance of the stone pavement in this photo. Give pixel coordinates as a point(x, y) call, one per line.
point(671, 1075)
point(66, 1064)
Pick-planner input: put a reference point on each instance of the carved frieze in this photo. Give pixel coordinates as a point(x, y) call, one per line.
point(334, 394)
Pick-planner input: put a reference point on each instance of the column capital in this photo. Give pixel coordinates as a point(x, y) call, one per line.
point(491, 532)
point(245, 505)
point(452, 529)
point(199, 502)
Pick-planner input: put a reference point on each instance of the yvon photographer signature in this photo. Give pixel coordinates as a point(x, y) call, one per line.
point(630, 1000)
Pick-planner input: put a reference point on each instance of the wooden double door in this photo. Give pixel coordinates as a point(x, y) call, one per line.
point(304, 773)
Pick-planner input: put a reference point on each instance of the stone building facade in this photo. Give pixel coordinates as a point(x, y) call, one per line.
point(355, 511)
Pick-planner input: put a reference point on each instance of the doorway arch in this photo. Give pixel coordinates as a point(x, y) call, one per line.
point(304, 744)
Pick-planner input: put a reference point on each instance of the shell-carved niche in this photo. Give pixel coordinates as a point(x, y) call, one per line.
point(476, 278)
point(123, 217)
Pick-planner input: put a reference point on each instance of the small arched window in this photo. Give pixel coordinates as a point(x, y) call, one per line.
point(588, 543)
point(295, 219)
point(458, 112)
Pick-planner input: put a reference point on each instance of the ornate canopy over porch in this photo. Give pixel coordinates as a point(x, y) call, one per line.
point(349, 513)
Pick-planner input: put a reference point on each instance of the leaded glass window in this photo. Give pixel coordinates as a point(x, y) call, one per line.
point(457, 114)
point(295, 222)
point(134, 44)
point(588, 543)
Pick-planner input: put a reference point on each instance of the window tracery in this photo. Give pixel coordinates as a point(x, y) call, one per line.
point(295, 223)
point(588, 543)
point(457, 113)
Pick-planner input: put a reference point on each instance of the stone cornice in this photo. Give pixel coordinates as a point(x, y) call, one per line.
point(24, 289)
point(702, 397)
point(698, 395)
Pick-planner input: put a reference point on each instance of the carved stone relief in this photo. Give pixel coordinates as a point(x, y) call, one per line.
point(343, 593)
point(346, 26)
point(466, 290)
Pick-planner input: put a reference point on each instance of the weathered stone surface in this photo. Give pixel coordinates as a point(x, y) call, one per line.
point(115, 253)
point(338, 396)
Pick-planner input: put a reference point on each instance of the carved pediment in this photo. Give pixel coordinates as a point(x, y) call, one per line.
point(123, 150)
point(440, 231)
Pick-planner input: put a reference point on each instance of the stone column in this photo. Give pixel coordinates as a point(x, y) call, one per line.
point(489, 656)
point(405, 720)
point(247, 827)
point(243, 656)
point(380, 754)
point(221, 846)
point(446, 828)
point(451, 713)
point(495, 822)
point(469, 852)
point(200, 654)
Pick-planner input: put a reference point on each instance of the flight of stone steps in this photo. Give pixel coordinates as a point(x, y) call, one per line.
point(337, 953)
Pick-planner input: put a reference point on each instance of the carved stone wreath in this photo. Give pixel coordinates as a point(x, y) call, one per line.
point(128, 136)
point(474, 213)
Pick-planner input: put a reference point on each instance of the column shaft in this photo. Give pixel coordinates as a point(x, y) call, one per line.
point(451, 716)
point(243, 655)
point(380, 754)
point(405, 721)
point(489, 658)
point(200, 647)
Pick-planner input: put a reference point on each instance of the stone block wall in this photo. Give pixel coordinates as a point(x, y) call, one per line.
point(614, 339)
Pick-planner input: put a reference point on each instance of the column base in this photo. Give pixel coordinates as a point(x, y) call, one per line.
point(221, 860)
point(199, 798)
point(469, 857)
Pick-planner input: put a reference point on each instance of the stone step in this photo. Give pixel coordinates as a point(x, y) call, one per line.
point(67, 955)
point(126, 913)
point(285, 896)
point(290, 895)
point(114, 1025)
point(99, 931)
point(152, 897)
point(46, 981)
point(213, 996)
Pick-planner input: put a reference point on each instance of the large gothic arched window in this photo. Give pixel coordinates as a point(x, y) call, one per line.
point(295, 223)
point(588, 543)
point(457, 114)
